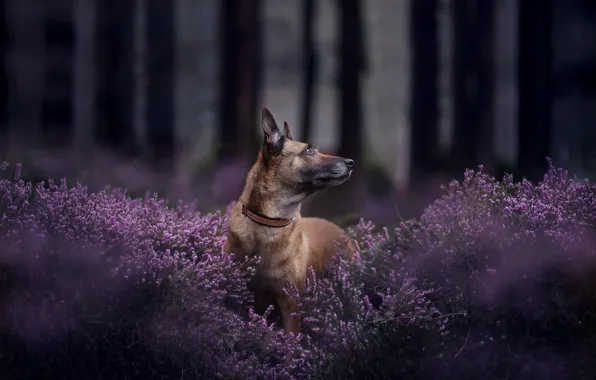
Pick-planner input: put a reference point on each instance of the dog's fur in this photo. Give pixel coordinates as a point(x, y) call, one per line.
point(285, 173)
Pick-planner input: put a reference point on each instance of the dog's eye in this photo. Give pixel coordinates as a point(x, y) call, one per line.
point(309, 151)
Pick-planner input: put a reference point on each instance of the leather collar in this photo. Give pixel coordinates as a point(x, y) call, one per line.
point(265, 221)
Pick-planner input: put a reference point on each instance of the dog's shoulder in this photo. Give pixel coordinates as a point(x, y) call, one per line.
point(324, 238)
point(318, 227)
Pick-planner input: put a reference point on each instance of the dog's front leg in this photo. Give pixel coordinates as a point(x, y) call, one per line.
point(288, 306)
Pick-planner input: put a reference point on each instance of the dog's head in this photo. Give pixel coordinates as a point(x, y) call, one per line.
point(297, 165)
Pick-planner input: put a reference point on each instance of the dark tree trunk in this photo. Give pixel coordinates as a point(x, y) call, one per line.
point(534, 86)
point(115, 91)
point(486, 88)
point(160, 75)
point(424, 92)
point(464, 128)
point(472, 84)
point(57, 106)
point(352, 63)
point(4, 46)
point(348, 197)
point(309, 67)
point(240, 77)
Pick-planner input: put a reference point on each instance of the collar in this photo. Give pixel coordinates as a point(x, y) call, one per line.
point(265, 221)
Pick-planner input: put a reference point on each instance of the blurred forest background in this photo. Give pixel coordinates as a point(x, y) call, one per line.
point(165, 95)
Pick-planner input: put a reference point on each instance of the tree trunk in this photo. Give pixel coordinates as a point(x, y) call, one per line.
point(240, 78)
point(485, 19)
point(4, 46)
point(535, 95)
point(423, 90)
point(472, 84)
point(160, 89)
point(57, 106)
point(115, 92)
point(351, 121)
point(309, 67)
point(352, 63)
point(464, 128)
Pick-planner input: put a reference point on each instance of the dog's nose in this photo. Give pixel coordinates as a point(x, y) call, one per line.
point(349, 162)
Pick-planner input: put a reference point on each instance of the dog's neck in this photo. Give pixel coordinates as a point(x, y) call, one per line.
point(268, 200)
point(275, 208)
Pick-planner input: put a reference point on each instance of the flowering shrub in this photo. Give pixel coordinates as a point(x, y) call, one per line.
point(105, 278)
point(494, 279)
point(100, 282)
point(512, 265)
point(372, 293)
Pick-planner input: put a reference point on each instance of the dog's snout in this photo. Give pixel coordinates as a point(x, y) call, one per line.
point(349, 162)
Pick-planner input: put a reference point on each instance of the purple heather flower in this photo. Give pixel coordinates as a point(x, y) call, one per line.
point(95, 262)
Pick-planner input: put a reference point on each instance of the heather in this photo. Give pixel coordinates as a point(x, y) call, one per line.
point(494, 279)
point(103, 284)
point(512, 264)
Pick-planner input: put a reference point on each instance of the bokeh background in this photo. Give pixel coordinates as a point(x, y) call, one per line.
point(165, 96)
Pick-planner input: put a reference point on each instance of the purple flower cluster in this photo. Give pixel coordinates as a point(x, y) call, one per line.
point(343, 311)
point(512, 265)
point(494, 276)
point(136, 266)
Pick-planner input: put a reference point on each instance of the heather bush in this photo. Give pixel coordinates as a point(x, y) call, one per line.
point(361, 301)
point(100, 283)
point(512, 265)
point(494, 280)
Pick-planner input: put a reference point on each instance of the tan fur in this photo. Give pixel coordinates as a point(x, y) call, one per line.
point(272, 189)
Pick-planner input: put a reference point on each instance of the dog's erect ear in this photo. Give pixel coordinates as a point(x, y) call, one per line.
point(287, 132)
point(273, 137)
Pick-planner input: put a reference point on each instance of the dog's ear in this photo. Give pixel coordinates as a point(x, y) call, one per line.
point(287, 132)
point(274, 140)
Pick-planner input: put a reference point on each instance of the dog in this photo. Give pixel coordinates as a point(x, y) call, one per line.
point(266, 220)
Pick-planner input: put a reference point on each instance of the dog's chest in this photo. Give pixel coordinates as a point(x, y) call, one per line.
point(272, 252)
point(283, 253)
point(281, 259)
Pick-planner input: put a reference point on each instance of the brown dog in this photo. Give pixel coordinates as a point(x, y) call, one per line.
point(267, 222)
